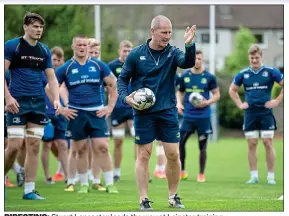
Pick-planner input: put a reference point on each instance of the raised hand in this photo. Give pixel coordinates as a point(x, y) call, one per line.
point(190, 34)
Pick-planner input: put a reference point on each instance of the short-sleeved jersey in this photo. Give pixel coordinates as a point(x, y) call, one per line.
point(84, 83)
point(116, 66)
point(27, 64)
point(202, 83)
point(258, 86)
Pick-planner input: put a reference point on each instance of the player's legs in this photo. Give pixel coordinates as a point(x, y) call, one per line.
point(71, 167)
point(168, 133)
point(62, 147)
point(118, 133)
point(268, 126)
point(187, 128)
point(46, 146)
point(204, 128)
point(82, 164)
point(34, 133)
point(15, 139)
point(21, 161)
point(161, 161)
point(100, 148)
point(145, 134)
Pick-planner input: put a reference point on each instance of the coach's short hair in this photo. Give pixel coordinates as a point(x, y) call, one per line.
point(58, 51)
point(125, 43)
point(254, 49)
point(92, 42)
point(30, 18)
point(199, 52)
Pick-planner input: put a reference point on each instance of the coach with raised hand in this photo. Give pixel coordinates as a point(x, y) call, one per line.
point(153, 65)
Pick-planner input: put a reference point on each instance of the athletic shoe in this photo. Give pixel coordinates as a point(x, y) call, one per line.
point(175, 202)
point(145, 205)
point(34, 195)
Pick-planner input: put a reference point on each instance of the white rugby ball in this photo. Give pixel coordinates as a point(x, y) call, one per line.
point(195, 98)
point(145, 98)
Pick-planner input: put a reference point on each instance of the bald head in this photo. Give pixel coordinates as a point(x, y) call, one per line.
point(159, 20)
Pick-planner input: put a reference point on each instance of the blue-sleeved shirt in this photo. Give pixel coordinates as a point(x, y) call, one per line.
point(202, 83)
point(84, 83)
point(27, 64)
point(258, 86)
point(116, 66)
point(155, 70)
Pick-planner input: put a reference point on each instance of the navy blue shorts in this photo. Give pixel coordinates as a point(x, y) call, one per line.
point(32, 109)
point(60, 125)
point(85, 125)
point(121, 115)
point(162, 125)
point(201, 125)
point(253, 122)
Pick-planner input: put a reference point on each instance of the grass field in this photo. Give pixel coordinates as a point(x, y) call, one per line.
point(225, 189)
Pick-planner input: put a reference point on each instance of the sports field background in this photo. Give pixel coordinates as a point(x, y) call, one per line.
point(225, 189)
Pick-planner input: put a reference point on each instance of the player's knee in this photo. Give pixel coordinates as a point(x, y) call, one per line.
point(103, 148)
point(144, 154)
point(73, 153)
point(173, 156)
point(62, 145)
point(82, 152)
point(118, 133)
point(268, 143)
point(36, 133)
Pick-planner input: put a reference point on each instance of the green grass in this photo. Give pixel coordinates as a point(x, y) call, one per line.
point(225, 189)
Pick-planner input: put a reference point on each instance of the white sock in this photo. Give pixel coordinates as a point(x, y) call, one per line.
point(271, 175)
point(254, 173)
point(162, 167)
point(59, 169)
point(83, 178)
point(108, 178)
point(116, 171)
point(172, 196)
point(29, 187)
point(70, 181)
point(76, 178)
point(96, 181)
point(16, 168)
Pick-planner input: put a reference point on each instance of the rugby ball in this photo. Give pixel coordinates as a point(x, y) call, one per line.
point(195, 98)
point(145, 98)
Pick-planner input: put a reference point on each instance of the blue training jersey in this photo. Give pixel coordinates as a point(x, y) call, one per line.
point(27, 64)
point(156, 70)
point(116, 66)
point(202, 83)
point(258, 86)
point(84, 83)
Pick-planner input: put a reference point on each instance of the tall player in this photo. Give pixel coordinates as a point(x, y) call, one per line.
point(27, 59)
point(259, 120)
point(83, 77)
point(196, 118)
point(122, 115)
point(153, 65)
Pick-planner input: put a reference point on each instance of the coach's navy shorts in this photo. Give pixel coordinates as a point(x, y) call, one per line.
point(254, 122)
point(121, 115)
point(162, 125)
point(201, 125)
point(87, 124)
point(60, 125)
point(32, 109)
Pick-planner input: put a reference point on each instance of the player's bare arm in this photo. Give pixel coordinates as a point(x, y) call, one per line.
point(53, 86)
point(275, 102)
point(180, 98)
point(215, 97)
point(112, 92)
point(11, 104)
point(233, 91)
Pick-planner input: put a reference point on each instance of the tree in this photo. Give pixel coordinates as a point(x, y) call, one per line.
point(231, 116)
